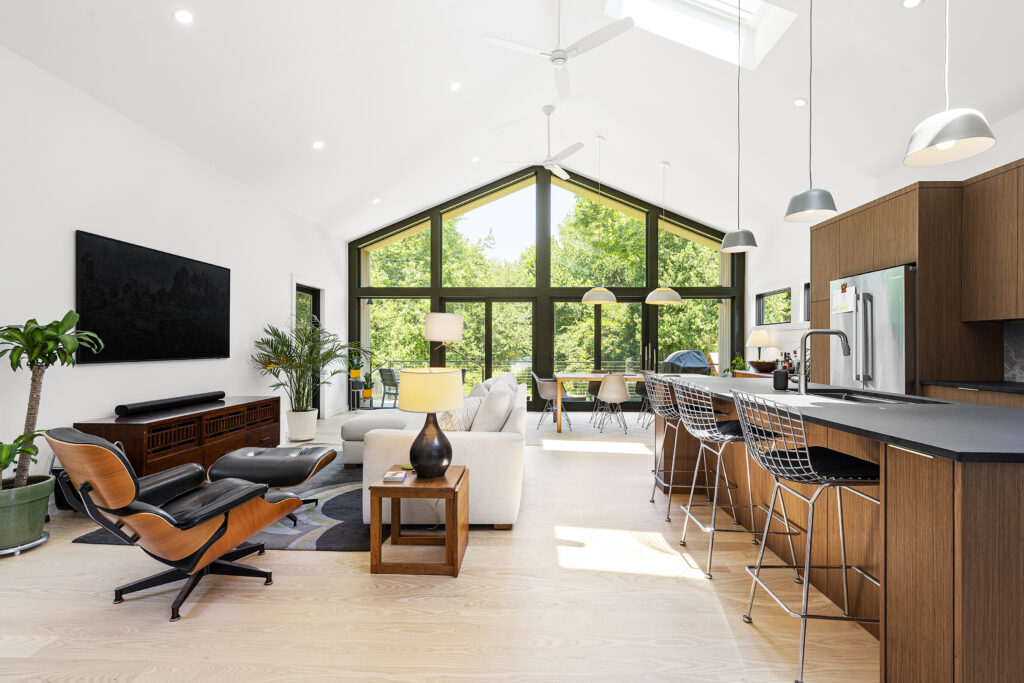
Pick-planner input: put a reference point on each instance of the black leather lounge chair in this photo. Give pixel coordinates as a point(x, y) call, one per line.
point(175, 516)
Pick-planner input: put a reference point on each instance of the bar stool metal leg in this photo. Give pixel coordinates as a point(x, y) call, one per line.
point(760, 553)
point(842, 552)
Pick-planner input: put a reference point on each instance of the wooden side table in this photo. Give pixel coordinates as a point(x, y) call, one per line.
point(453, 489)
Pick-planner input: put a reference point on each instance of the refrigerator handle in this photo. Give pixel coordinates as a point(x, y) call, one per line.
point(868, 336)
point(856, 338)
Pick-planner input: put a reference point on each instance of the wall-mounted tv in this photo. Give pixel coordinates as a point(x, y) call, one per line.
point(150, 305)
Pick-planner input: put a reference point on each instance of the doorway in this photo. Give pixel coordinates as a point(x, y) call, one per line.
point(307, 312)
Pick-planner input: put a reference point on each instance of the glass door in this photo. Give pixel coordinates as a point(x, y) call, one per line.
point(620, 328)
point(497, 337)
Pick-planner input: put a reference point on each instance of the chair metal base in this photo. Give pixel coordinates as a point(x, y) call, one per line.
point(224, 566)
point(305, 501)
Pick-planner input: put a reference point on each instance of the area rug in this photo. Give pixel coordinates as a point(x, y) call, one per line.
point(335, 524)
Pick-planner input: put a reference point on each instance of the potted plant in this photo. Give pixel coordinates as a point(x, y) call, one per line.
point(355, 361)
point(368, 385)
point(300, 360)
point(37, 347)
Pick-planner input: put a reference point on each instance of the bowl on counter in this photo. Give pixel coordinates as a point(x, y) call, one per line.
point(763, 365)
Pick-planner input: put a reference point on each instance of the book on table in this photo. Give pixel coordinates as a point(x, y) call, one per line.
point(394, 475)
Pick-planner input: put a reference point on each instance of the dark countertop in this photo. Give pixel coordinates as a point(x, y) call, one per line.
point(1005, 387)
point(965, 432)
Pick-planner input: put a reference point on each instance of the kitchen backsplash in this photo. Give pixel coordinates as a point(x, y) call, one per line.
point(1013, 351)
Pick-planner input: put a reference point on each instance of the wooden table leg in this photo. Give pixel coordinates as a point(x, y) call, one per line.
point(396, 521)
point(375, 531)
point(558, 405)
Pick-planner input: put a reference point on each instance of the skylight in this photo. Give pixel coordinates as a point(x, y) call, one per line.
point(710, 25)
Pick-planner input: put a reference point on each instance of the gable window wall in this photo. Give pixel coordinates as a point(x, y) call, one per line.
point(516, 256)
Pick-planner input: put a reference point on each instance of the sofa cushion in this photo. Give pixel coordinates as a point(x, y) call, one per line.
point(516, 422)
point(460, 419)
point(356, 428)
point(494, 410)
point(506, 378)
point(479, 390)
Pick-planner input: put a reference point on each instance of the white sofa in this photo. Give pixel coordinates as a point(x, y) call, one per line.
point(494, 460)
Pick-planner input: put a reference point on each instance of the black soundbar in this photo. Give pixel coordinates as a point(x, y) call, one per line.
point(166, 403)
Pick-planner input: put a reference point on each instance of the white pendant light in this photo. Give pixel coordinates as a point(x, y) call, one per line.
point(812, 205)
point(599, 295)
point(738, 240)
point(663, 295)
point(950, 135)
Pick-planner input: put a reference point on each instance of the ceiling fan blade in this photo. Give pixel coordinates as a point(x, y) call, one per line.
point(558, 171)
point(513, 45)
point(568, 151)
point(600, 36)
point(562, 82)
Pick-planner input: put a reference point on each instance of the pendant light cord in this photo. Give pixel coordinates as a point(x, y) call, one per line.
point(739, 69)
point(810, 96)
point(947, 55)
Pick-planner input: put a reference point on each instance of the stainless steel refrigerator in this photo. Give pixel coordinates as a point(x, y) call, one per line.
point(876, 311)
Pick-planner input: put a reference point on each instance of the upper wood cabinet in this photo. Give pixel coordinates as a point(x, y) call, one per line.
point(820, 364)
point(881, 235)
point(824, 259)
point(991, 249)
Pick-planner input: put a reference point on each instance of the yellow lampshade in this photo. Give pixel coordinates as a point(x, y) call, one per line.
point(429, 390)
point(759, 338)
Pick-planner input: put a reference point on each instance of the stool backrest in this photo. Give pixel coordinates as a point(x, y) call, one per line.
point(661, 396)
point(545, 387)
point(775, 437)
point(696, 409)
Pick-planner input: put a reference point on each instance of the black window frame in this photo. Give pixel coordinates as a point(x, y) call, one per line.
point(759, 306)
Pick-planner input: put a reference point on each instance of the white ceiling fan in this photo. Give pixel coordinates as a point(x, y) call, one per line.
point(559, 56)
point(552, 162)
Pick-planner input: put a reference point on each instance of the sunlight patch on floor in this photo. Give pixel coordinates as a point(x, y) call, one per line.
point(623, 551)
point(629, 448)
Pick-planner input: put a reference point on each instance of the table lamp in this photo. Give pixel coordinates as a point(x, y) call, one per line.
point(759, 338)
point(430, 390)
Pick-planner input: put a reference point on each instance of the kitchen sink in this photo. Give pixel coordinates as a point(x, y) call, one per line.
point(859, 396)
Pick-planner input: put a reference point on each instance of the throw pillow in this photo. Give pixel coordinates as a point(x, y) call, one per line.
point(494, 410)
point(460, 419)
point(479, 389)
point(506, 378)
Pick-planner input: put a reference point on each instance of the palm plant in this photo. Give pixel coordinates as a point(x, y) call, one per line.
point(39, 347)
point(299, 359)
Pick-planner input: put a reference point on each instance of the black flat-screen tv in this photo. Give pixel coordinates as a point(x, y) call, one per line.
point(150, 305)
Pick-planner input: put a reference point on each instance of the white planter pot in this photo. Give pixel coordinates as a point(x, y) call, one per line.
point(301, 425)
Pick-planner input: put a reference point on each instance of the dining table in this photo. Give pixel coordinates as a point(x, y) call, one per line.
point(582, 377)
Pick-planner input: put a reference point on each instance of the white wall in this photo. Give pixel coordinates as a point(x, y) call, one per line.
point(782, 258)
point(68, 162)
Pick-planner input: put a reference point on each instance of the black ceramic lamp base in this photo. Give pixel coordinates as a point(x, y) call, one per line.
point(431, 452)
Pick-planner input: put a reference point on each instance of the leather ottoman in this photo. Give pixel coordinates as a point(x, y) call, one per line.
point(279, 468)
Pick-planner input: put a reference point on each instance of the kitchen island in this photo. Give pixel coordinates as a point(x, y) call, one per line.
point(945, 540)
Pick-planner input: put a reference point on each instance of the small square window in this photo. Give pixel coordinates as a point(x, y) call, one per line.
point(774, 308)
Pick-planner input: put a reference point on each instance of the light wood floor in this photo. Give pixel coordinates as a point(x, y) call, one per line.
point(591, 585)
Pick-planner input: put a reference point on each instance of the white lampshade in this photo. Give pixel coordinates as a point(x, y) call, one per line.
point(443, 327)
point(663, 295)
point(599, 295)
point(948, 136)
point(430, 390)
point(759, 338)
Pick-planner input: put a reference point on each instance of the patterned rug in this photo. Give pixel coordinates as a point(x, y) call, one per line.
point(336, 523)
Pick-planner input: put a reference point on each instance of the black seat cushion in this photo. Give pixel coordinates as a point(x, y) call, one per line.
point(830, 465)
point(278, 467)
point(214, 499)
point(731, 428)
point(157, 489)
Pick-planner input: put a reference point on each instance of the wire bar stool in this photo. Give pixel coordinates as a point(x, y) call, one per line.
point(646, 415)
point(697, 413)
point(776, 440)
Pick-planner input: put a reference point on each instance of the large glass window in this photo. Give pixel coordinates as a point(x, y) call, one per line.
point(595, 241)
point(695, 324)
point(490, 241)
point(687, 259)
point(512, 339)
point(574, 341)
point(402, 260)
point(396, 332)
point(469, 354)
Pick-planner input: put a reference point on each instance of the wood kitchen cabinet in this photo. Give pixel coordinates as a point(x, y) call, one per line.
point(820, 364)
point(990, 247)
point(880, 235)
point(824, 259)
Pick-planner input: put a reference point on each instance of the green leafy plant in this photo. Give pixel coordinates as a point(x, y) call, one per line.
point(368, 379)
point(738, 364)
point(39, 347)
point(354, 357)
point(22, 446)
point(300, 360)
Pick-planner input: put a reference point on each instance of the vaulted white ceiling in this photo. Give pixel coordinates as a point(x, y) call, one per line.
point(252, 83)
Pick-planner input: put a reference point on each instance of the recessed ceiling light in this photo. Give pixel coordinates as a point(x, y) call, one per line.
point(911, 4)
point(800, 102)
point(476, 159)
point(376, 200)
point(318, 145)
point(183, 16)
point(455, 86)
